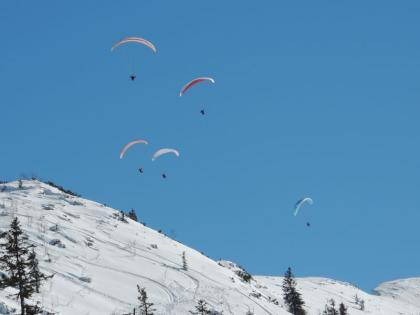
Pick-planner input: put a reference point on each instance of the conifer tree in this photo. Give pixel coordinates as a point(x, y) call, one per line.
point(146, 308)
point(360, 302)
point(201, 308)
point(330, 308)
point(132, 215)
point(122, 216)
point(291, 296)
point(362, 305)
point(184, 262)
point(342, 309)
point(20, 264)
point(356, 299)
point(35, 275)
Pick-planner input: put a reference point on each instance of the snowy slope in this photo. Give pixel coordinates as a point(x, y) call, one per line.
point(98, 261)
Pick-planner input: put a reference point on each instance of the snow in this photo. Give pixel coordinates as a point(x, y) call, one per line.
point(97, 261)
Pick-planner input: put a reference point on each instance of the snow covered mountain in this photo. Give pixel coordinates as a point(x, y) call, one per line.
point(98, 260)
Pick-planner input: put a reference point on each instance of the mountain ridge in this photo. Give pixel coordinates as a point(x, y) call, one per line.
point(98, 260)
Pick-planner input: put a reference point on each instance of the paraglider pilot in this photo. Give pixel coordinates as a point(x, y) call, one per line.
point(141, 170)
point(164, 176)
point(133, 77)
point(202, 112)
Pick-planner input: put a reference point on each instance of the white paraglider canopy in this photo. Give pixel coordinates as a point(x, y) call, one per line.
point(164, 151)
point(300, 203)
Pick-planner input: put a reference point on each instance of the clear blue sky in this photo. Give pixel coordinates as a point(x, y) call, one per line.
point(312, 98)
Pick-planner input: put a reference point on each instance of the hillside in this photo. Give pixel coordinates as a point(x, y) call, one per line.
point(97, 261)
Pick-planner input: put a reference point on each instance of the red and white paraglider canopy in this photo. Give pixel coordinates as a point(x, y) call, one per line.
point(129, 145)
point(190, 84)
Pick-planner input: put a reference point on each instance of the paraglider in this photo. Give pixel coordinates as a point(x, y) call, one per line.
point(164, 151)
point(300, 203)
point(129, 145)
point(193, 82)
point(190, 84)
point(137, 40)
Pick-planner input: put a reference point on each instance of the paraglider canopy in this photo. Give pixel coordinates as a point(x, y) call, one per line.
point(164, 151)
point(300, 203)
point(190, 84)
point(129, 145)
point(138, 40)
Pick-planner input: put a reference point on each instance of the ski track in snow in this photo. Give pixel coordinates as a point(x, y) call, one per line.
point(85, 287)
point(171, 296)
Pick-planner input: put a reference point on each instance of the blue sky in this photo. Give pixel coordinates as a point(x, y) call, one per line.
point(315, 99)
